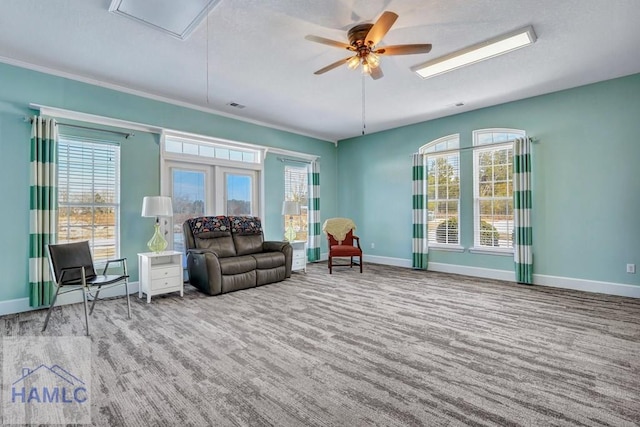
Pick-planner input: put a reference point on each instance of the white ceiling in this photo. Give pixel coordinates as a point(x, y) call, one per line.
point(253, 52)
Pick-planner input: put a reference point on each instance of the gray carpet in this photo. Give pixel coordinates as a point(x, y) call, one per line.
point(390, 347)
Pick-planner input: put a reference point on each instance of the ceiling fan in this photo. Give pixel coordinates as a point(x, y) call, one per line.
point(363, 41)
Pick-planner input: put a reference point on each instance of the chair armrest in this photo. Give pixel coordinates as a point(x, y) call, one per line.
point(203, 267)
point(202, 251)
point(284, 247)
point(274, 246)
point(123, 262)
point(357, 239)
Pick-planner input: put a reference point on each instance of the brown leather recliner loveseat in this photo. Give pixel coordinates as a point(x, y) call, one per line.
point(228, 253)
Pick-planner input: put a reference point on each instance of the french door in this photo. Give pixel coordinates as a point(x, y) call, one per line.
point(198, 190)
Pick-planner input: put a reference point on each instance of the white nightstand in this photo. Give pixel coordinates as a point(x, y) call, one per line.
point(160, 273)
point(299, 261)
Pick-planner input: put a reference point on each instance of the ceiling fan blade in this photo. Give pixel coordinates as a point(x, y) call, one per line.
point(329, 42)
point(404, 49)
point(376, 73)
point(380, 28)
point(332, 66)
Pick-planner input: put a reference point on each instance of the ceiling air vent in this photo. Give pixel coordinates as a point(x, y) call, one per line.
point(177, 18)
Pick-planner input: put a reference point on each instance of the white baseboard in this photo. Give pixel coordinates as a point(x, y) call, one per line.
point(21, 305)
point(397, 262)
point(485, 273)
point(12, 306)
point(609, 288)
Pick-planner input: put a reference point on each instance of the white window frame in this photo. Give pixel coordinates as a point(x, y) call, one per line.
point(479, 148)
point(78, 140)
point(444, 147)
point(304, 208)
point(220, 179)
point(218, 168)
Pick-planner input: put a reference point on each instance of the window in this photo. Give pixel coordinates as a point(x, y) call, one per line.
point(208, 176)
point(89, 195)
point(188, 200)
point(295, 189)
point(208, 149)
point(443, 190)
point(238, 193)
point(493, 188)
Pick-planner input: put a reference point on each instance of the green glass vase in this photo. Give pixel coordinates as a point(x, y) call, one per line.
point(157, 242)
point(290, 233)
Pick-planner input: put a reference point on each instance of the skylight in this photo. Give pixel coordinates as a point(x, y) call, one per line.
point(177, 18)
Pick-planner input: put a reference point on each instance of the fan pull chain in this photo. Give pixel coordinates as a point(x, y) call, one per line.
point(364, 125)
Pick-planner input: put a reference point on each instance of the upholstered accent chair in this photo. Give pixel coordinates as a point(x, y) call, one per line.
point(341, 241)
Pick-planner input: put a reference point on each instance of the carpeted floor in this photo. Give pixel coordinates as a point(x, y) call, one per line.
point(390, 347)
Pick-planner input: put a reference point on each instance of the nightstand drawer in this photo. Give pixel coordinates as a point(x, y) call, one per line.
point(299, 255)
point(166, 283)
point(164, 272)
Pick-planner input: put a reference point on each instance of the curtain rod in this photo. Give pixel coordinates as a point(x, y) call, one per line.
point(285, 159)
point(115, 132)
point(126, 135)
point(472, 147)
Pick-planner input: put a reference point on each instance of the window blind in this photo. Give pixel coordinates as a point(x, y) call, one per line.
point(296, 189)
point(443, 193)
point(89, 194)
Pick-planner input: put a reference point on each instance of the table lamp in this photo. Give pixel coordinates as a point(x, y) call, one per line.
point(157, 206)
point(290, 208)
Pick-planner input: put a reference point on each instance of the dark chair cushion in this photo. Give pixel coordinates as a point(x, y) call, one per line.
point(237, 265)
point(247, 234)
point(266, 260)
point(247, 244)
point(213, 233)
point(68, 255)
point(222, 245)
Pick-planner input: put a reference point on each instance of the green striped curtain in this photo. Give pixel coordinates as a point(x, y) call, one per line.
point(420, 239)
point(313, 249)
point(522, 245)
point(42, 208)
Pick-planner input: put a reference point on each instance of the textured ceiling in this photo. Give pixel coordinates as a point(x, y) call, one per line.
point(253, 52)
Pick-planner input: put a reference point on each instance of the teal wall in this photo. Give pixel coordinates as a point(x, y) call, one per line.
point(140, 161)
point(586, 181)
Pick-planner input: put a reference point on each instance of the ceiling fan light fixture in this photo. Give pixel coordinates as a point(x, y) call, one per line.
point(366, 68)
point(476, 53)
point(353, 62)
point(373, 60)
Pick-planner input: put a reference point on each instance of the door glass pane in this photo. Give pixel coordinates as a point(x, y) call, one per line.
point(188, 194)
point(238, 194)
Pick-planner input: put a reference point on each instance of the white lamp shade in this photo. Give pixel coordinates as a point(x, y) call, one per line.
point(154, 206)
point(290, 208)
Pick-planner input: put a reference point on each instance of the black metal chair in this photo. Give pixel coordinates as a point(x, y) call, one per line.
point(72, 266)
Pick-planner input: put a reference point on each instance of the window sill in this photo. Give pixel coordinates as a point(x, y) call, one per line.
point(447, 248)
point(491, 251)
